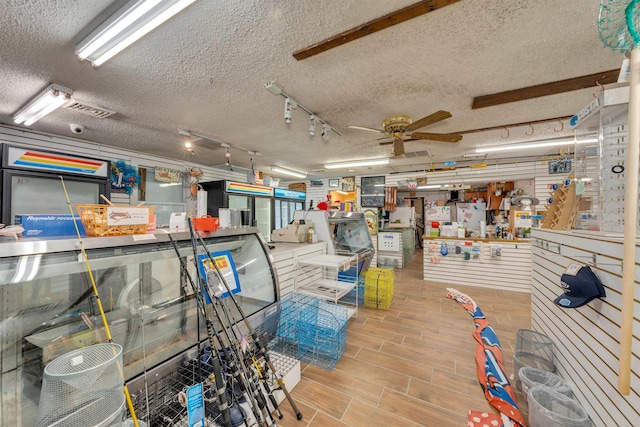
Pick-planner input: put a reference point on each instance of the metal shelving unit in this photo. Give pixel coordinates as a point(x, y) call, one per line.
point(329, 277)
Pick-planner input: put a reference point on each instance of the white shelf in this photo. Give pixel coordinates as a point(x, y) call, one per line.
point(340, 262)
point(327, 289)
point(318, 276)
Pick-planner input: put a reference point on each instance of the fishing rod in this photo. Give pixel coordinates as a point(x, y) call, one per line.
point(242, 382)
point(262, 403)
point(223, 405)
point(232, 321)
point(261, 349)
point(252, 387)
point(132, 411)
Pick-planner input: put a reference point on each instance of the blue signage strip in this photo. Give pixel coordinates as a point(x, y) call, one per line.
point(290, 194)
point(195, 406)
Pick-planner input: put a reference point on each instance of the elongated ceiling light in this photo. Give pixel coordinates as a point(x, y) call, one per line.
point(356, 163)
point(132, 21)
point(49, 99)
point(277, 169)
point(539, 144)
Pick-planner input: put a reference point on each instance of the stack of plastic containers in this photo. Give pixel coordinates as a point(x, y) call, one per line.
point(531, 377)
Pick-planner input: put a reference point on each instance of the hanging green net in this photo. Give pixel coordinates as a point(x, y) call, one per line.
point(617, 24)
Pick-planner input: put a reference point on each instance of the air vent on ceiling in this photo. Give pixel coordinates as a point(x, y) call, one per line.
point(425, 153)
point(86, 108)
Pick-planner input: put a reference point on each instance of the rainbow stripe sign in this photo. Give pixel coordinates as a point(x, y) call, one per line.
point(54, 162)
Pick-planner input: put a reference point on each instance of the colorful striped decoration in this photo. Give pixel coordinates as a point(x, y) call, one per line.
point(256, 190)
point(57, 162)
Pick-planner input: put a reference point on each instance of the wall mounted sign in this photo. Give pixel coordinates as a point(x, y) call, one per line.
point(166, 175)
point(349, 183)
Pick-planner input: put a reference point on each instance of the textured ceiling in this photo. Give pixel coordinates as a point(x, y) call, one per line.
point(205, 71)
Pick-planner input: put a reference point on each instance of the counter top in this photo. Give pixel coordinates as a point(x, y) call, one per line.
point(476, 239)
point(285, 246)
point(395, 230)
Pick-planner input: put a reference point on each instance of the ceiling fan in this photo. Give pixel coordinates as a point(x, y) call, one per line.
point(401, 128)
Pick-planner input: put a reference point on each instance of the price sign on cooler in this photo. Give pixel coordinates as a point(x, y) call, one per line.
point(227, 268)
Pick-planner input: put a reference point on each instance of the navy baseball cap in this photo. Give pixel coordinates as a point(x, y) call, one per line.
point(580, 285)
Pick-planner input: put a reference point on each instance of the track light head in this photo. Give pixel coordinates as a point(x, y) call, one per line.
point(325, 131)
point(287, 111)
point(312, 125)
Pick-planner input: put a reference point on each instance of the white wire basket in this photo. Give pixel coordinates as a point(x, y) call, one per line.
point(83, 388)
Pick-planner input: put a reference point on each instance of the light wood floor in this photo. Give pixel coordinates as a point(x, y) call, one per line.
point(411, 365)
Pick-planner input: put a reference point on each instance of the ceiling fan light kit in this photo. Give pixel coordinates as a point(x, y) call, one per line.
point(131, 22)
point(401, 129)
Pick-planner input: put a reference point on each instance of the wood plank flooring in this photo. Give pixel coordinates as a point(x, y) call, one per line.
point(412, 365)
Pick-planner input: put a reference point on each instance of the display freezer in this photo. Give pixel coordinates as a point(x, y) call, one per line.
point(286, 203)
point(235, 195)
point(47, 306)
point(31, 181)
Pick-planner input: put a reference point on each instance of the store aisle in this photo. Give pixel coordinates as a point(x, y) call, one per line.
point(411, 365)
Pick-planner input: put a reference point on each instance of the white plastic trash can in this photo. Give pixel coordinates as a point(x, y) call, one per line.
point(531, 377)
point(548, 408)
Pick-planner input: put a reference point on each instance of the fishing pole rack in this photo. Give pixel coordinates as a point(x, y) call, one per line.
point(157, 404)
point(311, 330)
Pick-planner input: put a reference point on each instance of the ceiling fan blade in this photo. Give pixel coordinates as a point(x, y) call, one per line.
point(445, 137)
point(364, 143)
point(367, 129)
point(430, 119)
point(398, 147)
point(386, 143)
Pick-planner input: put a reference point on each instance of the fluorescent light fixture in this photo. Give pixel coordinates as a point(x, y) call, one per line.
point(54, 96)
point(132, 21)
point(426, 187)
point(277, 169)
point(356, 163)
point(539, 144)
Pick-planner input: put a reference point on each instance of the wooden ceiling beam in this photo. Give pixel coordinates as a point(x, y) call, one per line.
point(546, 89)
point(386, 21)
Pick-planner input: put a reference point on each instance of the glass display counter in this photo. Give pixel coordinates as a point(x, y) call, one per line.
point(47, 307)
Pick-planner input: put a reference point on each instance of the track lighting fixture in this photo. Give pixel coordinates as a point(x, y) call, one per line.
point(291, 104)
point(312, 125)
point(325, 131)
point(45, 102)
point(287, 111)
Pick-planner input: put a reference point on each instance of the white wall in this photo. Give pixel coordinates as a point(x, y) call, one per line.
point(587, 339)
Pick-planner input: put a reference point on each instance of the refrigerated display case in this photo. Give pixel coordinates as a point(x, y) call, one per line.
point(31, 181)
point(236, 195)
point(47, 307)
point(285, 204)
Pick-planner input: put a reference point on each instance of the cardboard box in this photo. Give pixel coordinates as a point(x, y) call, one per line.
point(300, 186)
point(292, 233)
point(49, 225)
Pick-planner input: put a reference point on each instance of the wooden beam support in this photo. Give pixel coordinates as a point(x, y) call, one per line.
point(393, 18)
point(546, 89)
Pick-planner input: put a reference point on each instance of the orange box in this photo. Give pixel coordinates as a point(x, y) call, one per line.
point(206, 223)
